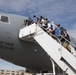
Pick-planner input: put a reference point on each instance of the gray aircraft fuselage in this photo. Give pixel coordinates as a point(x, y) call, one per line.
point(23, 53)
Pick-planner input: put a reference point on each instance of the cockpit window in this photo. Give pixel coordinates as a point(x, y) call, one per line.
point(4, 19)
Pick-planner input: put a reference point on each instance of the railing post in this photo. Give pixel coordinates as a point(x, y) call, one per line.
point(53, 65)
point(60, 48)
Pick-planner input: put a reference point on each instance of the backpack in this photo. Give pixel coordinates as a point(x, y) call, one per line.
point(65, 34)
point(51, 27)
point(62, 31)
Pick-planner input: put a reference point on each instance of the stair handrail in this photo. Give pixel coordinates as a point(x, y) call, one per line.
point(60, 49)
point(56, 38)
point(22, 26)
point(69, 42)
point(52, 35)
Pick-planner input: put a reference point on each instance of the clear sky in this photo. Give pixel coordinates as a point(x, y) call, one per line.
point(62, 12)
point(9, 66)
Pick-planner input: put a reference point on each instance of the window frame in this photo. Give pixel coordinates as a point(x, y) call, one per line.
point(3, 21)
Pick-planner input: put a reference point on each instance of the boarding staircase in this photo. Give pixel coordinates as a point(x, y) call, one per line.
point(62, 57)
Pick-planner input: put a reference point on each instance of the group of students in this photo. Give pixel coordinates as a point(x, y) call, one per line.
point(56, 30)
point(51, 28)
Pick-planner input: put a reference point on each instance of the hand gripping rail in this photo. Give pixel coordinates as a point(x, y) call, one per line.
point(52, 47)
